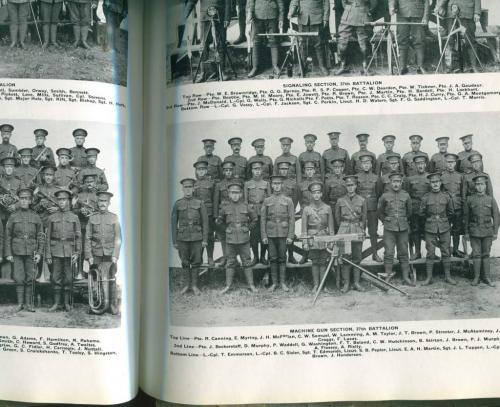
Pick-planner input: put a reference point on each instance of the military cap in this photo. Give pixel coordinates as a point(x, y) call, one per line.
point(6, 127)
point(65, 191)
point(434, 175)
point(353, 178)
point(389, 136)
point(467, 136)
point(311, 137)
point(419, 157)
point(392, 157)
point(334, 134)
point(24, 191)
point(280, 178)
point(439, 139)
point(286, 140)
point(25, 151)
point(451, 157)
point(416, 136)
point(234, 140)
point(475, 157)
point(186, 182)
point(40, 132)
point(8, 161)
point(201, 163)
point(260, 163)
point(208, 141)
point(258, 142)
point(309, 164)
point(80, 132)
point(234, 185)
point(337, 160)
point(315, 186)
point(480, 177)
point(284, 164)
point(107, 194)
point(362, 136)
point(49, 168)
point(365, 157)
point(395, 174)
point(89, 175)
point(63, 151)
point(227, 164)
point(92, 151)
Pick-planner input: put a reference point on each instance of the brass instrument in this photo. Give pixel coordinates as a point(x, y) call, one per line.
point(98, 287)
point(33, 280)
point(44, 275)
point(8, 198)
point(86, 209)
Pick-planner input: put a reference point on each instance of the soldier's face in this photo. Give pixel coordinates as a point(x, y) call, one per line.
point(63, 160)
point(209, 149)
point(24, 201)
point(257, 172)
point(228, 173)
point(363, 143)
point(435, 184)
point(188, 190)
point(40, 140)
point(79, 140)
point(90, 182)
point(334, 141)
point(366, 165)
point(310, 145)
point(420, 166)
point(6, 136)
point(396, 184)
point(467, 143)
point(285, 148)
point(443, 146)
point(236, 147)
point(389, 145)
point(62, 202)
point(480, 186)
point(351, 187)
point(415, 145)
point(283, 171)
point(338, 169)
point(48, 177)
point(309, 172)
point(25, 159)
point(450, 165)
point(201, 172)
point(276, 186)
point(259, 150)
point(234, 195)
point(317, 195)
point(103, 203)
point(476, 165)
point(9, 169)
point(91, 159)
point(393, 165)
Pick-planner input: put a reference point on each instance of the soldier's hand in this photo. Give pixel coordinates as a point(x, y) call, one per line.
point(48, 260)
point(466, 237)
point(265, 241)
point(204, 244)
point(114, 260)
point(90, 260)
point(289, 241)
point(37, 258)
point(10, 258)
point(52, 209)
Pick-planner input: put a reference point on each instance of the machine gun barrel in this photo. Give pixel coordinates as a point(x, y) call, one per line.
point(290, 34)
point(388, 23)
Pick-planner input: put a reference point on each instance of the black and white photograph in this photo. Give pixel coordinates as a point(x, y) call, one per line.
point(334, 219)
point(60, 200)
point(219, 40)
point(71, 39)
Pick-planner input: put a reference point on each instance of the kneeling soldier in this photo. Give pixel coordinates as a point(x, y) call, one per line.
point(436, 208)
point(481, 227)
point(239, 220)
point(23, 247)
point(350, 215)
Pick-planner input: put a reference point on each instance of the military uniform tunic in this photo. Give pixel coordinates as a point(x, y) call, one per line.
point(315, 157)
point(417, 186)
point(334, 189)
point(438, 163)
point(255, 192)
point(382, 165)
point(463, 164)
point(100, 177)
point(27, 174)
point(65, 177)
point(103, 237)
point(41, 203)
point(409, 167)
point(43, 156)
point(356, 164)
point(265, 14)
point(240, 166)
point(305, 196)
point(369, 189)
point(385, 183)
point(8, 150)
point(9, 186)
point(356, 14)
point(470, 187)
point(317, 220)
point(214, 166)
point(79, 157)
point(454, 184)
point(293, 171)
point(334, 154)
point(350, 215)
point(267, 168)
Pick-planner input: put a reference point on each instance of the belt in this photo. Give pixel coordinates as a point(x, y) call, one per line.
point(238, 224)
point(62, 239)
point(189, 223)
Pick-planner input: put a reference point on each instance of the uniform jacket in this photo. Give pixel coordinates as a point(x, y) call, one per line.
point(356, 164)
point(7, 149)
point(409, 167)
point(385, 183)
point(454, 184)
point(116, 6)
point(467, 7)
point(64, 235)
point(239, 219)
point(103, 236)
point(23, 234)
point(382, 165)
point(214, 166)
point(463, 164)
point(221, 196)
point(305, 197)
point(410, 8)
point(350, 214)
point(357, 12)
point(204, 190)
point(293, 171)
point(481, 216)
point(79, 155)
point(267, 168)
point(394, 209)
point(317, 221)
point(315, 157)
point(265, 9)
point(240, 166)
point(470, 187)
point(277, 217)
point(436, 208)
point(65, 177)
point(12, 184)
point(223, 6)
point(291, 190)
point(255, 192)
point(85, 205)
point(417, 186)
point(332, 154)
point(101, 181)
point(41, 204)
point(334, 189)
point(310, 11)
point(27, 174)
point(46, 157)
point(189, 221)
point(437, 163)
point(369, 188)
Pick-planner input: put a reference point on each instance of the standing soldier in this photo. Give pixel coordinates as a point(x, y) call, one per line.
point(256, 190)
point(394, 209)
point(411, 12)
point(436, 208)
point(25, 172)
point(335, 186)
point(363, 144)
point(383, 166)
point(350, 215)
point(385, 182)
point(408, 163)
point(464, 165)
point(204, 189)
point(6, 148)
point(240, 162)
point(214, 161)
point(311, 156)
point(277, 226)
point(103, 240)
point(19, 11)
point(294, 170)
point(476, 161)
point(9, 185)
point(313, 16)
point(438, 160)
point(238, 219)
point(65, 175)
point(80, 12)
point(317, 220)
point(23, 248)
point(369, 189)
point(267, 17)
point(333, 153)
point(101, 181)
point(49, 11)
point(352, 24)
point(42, 155)
point(417, 186)
point(190, 233)
point(267, 167)
point(44, 198)
point(305, 195)
point(481, 228)
point(78, 154)
point(63, 248)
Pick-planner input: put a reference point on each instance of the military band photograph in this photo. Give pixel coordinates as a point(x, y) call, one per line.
point(219, 40)
point(60, 228)
point(334, 219)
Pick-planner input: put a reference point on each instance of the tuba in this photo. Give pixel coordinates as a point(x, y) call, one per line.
point(98, 284)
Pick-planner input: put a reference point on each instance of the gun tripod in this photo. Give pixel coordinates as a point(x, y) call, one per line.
point(293, 49)
point(392, 48)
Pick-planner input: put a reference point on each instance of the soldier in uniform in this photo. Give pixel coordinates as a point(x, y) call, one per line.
point(333, 153)
point(394, 209)
point(408, 163)
point(63, 248)
point(49, 11)
point(6, 148)
point(383, 166)
point(313, 16)
point(317, 220)
point(78, 154)
point(369, 189)
point(294, 167)
point(214, 162)
point(277, 226)
point(311, 156)
point(411, 11)
point(103, 240)
point(267, 17)
point(256, 190)
point(393, 161)
point(190, 233)
point(9, 185)
point(476, 161)
point(65, 175)
point(25, 172)
point(204, 189)
point(481, 222)
point(19, 11)
point(305, 196)
point(464, 165)
point(240, 162)
point(417, 186)
point(23, 247)
point(335, 186)
point(363, 144)
point(438, 160)
point(436, 208)
point(352, 24)
point(238, 219)
point(101, 181)
point(80, 12)
point(350, 215)
point(44, 200)
point(267, 167)
point(42, 155)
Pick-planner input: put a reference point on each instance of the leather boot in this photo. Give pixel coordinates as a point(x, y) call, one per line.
point(263, 249)
point(84, 32)
point(315, 276)
point(283, 277)
point(346, 277)
point(291, 258)
point(357, 276)
point(186, 280)
point(249, 278)
point(473, 61)
point(375, 256)
point(28, 292)
point(405, 271)
point(67, 305)
point(255, 62)
point(46, 35)
point(320, 55)
point(447, 272)
point(304, 259)
point(476, 263)
point(76, 34)
point(403, 57)
point(342, 69)
point(53, 35)
point(486, 272)
point(388, 272)
point(194, 280)
point(13, 28)
point(57, 301)
point(255, 251)
point(113, 303)
point(23, 30)
point(274, 276)
point(420, 61)
point(229, 280)
point(418, 250)
point(241, 24)
point(448, 60)
point(429, 266)
point(20, 297)
point(274, 60)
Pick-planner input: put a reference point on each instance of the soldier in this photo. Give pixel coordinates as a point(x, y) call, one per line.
point(363, 144)
point(436, 208)
point(103, 240)
point(333, 153)
point(305, 196)
point(214, 161)
point(63, 248)
point(294, 170)
point(79, 157)
point(42, 155)
point(350, 215)
point(238, 219)
point(464, 166)
point(352, 24)
point(454, 184)
point(267, 167)
point(65, 176)
point(393, 160)
point(417, 186)
point(438, 160)
point(313, 16)
point(267, 17)
point(25, 172)
point(383, 166)
point(9, 185)
point(6, 148)
point(335, 186)
point(44, 199)
point(412, 12)
point(80, 12)
point(23, 248)
point(469, 12)
point(190, 233)
point(277, 226)
point(476, 161)
point(481, 222)
point(242, 17)
point(85, 204)
point(101, 181)
point(221, 22)
point(18, 16)
point(369, 188)
point(204, 189)
point(49, 11)
point(240, 162)
point(317, 220)
point(256, 190)
point(311, 156)
point(408, 163)
point(394, 209)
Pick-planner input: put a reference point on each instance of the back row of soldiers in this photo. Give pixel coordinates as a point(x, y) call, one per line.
point(57, 215)
point(250, 203)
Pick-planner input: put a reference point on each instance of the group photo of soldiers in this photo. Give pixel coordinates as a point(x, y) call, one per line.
point(266, 39)
point(59, 241)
